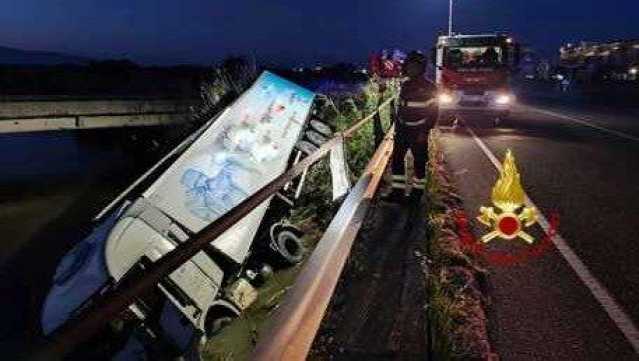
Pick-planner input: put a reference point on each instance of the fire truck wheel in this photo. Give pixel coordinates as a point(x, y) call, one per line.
point(288, 247)
point(499, 120)
point(448, 120)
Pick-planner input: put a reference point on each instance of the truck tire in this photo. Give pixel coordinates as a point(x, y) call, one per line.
point(321, 128)
point(287, 247)
point(315, 138)
point(216, 320)
point(306, 147)
point(218, 324)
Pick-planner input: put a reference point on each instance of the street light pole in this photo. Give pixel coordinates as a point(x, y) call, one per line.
point(450, 17)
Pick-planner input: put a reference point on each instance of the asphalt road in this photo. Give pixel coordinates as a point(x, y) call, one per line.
point(583, 163)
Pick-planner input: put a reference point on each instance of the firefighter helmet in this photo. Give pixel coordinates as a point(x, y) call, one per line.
point(415, 64)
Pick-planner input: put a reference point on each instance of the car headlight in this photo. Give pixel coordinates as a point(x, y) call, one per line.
point(445, 98)
point(503, 99)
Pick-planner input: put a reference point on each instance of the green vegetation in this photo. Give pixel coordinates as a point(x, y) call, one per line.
point(341, 111)
point(312, 215)
point(456, 314)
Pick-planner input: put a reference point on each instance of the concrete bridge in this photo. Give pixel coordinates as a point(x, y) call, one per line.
point(32, 114)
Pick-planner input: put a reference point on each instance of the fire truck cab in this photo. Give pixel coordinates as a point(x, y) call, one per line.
point(473, 74)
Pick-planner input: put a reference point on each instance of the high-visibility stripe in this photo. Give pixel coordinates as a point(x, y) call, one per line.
point(419, 186)
point(398, 185)
point(399, 177)
point(416, 104)
point(419, 183)
point(415, 123)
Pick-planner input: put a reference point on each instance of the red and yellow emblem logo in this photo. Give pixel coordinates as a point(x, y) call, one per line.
point(512, 216)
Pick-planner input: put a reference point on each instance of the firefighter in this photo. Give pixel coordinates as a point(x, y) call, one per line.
point(415, 116)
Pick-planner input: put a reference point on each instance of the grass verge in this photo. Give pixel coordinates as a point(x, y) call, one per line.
point(456, 280)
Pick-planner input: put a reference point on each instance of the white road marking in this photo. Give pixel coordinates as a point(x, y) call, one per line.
point(601, 294)
point(584, 122)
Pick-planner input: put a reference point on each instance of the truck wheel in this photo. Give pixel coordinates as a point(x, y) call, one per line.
point(217, 319)
point(218, 324)
point(321, 128)
point(315, 138)
point(306, 147)
point(287, 246)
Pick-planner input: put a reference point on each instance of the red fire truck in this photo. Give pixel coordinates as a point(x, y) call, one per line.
point(473, 74)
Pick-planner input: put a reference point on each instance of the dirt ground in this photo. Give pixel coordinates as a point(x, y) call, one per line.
point(378, 311)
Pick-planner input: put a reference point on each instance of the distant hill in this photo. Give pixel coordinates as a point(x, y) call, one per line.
point(12, 56)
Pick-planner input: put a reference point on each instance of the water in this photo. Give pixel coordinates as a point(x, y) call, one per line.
point(51, 186)
point(38, 158)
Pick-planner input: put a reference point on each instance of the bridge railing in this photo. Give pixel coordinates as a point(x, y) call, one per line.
point(49, 115)
point(306, 302)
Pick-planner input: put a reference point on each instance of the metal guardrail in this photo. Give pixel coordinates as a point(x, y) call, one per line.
point(297, 320)
point(116, 299)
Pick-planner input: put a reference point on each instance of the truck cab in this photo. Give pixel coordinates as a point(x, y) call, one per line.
point(473, 74)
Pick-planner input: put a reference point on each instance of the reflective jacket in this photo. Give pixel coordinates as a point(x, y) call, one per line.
point(417, 103)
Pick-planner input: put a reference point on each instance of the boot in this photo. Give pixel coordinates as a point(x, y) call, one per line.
point(395, 196)
point(419, 186)
point(398, 194)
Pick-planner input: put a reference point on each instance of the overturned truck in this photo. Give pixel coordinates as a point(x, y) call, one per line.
point(265, 131)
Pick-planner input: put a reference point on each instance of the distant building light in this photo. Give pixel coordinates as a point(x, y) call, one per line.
point(633, 71)
point(509, 40)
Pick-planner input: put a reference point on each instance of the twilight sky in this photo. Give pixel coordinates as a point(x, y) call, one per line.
point(292, 32)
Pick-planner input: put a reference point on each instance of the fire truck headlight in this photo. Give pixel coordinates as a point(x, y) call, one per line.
point(445, 98)
point(503, 99)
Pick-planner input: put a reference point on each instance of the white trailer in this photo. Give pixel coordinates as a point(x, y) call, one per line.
point(247, 146)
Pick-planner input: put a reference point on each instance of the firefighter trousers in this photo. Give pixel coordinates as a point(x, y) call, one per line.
point(415, 139)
